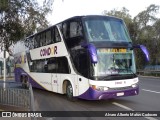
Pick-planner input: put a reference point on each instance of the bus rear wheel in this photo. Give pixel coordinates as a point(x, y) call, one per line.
point(69, 92)
point(25, 82)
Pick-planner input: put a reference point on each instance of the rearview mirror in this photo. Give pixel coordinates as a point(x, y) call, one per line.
point(92, 52)
point(144, 50)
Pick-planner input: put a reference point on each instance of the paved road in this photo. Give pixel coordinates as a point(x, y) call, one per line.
point(147, 100)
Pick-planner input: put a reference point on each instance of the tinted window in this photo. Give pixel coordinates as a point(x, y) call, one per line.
point(36, 41)
point(57, 36)
point(31, 43)
point(48, 37)
point(80, 59)
point(75, 29)
point(65, 31)
point(50, 65)
point(63, 66)
point(43, 39)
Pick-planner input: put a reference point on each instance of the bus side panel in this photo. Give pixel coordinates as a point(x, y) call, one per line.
point(42, 79)
point(20, 72)
point(83, 84)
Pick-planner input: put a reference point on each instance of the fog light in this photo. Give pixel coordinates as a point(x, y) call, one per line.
point(134, 85)
point(106, 88)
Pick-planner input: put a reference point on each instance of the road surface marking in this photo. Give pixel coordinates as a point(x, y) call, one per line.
point(127, 108)
point(150, 91)
point(122, 106)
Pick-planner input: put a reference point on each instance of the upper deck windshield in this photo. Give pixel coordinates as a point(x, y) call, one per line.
point(106, 29)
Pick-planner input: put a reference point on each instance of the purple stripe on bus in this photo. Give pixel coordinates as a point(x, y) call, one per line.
point(92, 94)
point(20, 71)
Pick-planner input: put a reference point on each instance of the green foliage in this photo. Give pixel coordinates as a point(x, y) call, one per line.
point(144, 29)
point(20, 18)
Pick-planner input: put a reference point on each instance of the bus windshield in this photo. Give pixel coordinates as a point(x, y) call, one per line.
point(106, 29)
point(114, 62)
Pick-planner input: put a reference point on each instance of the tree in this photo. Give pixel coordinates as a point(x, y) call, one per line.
point(146, 16)
point(147, 32)
point(20, 18)
point(144, 29)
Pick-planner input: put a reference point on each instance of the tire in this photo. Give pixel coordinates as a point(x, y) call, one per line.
point(26, 83)
point(69, 92)
point(22, 81)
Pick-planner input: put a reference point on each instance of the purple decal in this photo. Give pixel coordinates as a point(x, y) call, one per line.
point(145, 51)
point(20, 71)
point(92, 94)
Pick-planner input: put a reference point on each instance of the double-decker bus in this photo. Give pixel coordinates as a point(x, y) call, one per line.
point(89, 57)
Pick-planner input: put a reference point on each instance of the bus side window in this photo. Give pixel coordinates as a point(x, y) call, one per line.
point(53, 35)
point(65, 31)
point(51, 66)
point(43, 39)
point(75, 29)
point(75, 34)
point(36, 41)
point(48, 37)
point(63, 66)
point(57, 36)
point(31, 43)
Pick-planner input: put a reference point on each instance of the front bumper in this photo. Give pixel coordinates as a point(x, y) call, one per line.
point(92, 94)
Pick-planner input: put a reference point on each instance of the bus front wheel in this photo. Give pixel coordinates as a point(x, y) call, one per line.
point(69, 92)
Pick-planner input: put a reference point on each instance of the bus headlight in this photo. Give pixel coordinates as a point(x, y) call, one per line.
point(99, 88)
point(134, 85)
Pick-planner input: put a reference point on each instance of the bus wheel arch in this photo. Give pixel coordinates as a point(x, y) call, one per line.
point(68, 90)
point(64, 86)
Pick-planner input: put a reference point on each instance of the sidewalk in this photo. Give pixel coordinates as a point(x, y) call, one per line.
point(7, 77)
point(6, 108)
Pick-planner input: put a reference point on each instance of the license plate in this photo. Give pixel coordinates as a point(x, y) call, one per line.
point(120, 94)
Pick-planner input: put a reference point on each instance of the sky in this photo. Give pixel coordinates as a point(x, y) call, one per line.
point(63, 9)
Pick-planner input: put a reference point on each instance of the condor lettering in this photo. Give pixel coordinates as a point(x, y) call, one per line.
point(48, 51)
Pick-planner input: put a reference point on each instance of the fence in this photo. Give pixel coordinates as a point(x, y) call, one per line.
point(13, 94)
point(149, 72)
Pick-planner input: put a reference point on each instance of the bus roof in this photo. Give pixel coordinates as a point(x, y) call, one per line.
point(75, 17)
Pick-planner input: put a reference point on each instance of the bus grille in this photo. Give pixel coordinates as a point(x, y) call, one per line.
point(121, 88)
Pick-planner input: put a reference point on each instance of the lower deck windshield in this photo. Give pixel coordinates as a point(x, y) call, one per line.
point(114, 62)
